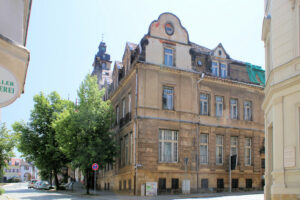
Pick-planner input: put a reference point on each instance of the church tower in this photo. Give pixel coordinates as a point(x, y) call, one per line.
point(102, 66)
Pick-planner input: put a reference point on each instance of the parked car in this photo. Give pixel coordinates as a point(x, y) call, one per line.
point(42, 185)
point(37, 184)
point(31, 183)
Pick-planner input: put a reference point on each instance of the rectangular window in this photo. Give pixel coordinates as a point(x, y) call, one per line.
point(161, 184)
point(120, 185)
point(263, 163)
point(235, 183)
point(215, 69)
point(223, 70)
point(248, 183)
point(219, 150)
point(123, 108)
point(118, 112)
point(129, 102)
point(204, 183)
point(203, 148)
point(168, 56)
point(121, 152)
point(247, 110)
point(168, 97)
point(124, 185)
point(168, 146)
point(220, 183)
point(247, 151)
point(233, 145)
point(203, 104)
point(219, 106)
point(233, 108)
point(175, 183)
point(131, 147)
point(129, 184)
point(126, 150)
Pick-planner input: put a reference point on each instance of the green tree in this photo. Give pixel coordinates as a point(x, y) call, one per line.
point(7, 143)
point(37, 139)
point(84, 131)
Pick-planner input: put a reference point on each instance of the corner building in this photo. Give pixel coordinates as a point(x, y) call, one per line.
point(181, 110)
point(281, 35)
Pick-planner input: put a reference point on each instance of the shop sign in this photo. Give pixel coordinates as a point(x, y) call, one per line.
point(9, 89)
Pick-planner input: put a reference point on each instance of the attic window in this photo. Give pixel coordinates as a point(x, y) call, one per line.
point(199, 63)
point(220, 52)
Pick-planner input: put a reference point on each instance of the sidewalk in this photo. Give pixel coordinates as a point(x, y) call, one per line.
point(113, 196)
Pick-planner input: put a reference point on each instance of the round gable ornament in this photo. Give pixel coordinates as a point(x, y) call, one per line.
point(169, 29)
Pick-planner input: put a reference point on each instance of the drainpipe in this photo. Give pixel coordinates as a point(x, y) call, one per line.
point(197, 133)
point(135, 131)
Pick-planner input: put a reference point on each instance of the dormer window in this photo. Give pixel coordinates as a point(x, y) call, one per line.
point(223, 70)
point(215, 69)
point(168, 54)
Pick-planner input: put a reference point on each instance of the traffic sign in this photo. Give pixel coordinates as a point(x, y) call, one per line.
point(95, 166)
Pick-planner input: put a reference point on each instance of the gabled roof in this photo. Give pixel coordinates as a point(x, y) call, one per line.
point(220, 46)
point(118, 65)
point(200, 48)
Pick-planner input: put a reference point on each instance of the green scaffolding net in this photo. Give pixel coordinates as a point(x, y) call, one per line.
point(256, 74)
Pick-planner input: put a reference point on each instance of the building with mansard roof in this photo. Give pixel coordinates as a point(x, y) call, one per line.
point(181, 110)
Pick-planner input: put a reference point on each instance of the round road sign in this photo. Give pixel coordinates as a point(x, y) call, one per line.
point(95, 166)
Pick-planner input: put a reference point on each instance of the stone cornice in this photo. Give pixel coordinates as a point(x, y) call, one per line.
point(271, 90)
point(199, 123)
point(179, 70)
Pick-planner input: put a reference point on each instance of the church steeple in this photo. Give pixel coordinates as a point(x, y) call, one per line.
point(102, 66)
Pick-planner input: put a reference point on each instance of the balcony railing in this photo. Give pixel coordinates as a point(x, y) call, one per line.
point(125, 120)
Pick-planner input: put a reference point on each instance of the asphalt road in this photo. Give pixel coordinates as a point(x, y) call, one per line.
point(19, 191)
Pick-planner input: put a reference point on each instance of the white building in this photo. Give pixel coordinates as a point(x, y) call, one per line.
point(28, 171)
point(14, 57)
point(281, 35)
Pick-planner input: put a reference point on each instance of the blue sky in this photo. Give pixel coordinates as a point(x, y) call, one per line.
point(63, 37)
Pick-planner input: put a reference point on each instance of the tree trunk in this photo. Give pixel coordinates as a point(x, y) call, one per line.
point(50, 178)
point(87, 181)
point(56, 180)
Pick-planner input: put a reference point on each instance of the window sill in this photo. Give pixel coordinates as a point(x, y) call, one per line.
point(168, 109)
point(161, 162)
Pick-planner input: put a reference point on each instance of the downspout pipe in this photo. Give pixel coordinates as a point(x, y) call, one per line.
point(135, 131)
point(197, 133)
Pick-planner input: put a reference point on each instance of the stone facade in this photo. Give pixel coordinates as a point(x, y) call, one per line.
point(175, 116)
point(282, 98)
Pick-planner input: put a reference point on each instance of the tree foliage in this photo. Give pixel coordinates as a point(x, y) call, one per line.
point(7, 143)
point(37, 139)
point(84, 131)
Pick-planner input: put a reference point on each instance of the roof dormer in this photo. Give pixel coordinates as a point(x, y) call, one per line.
point(220, 52)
